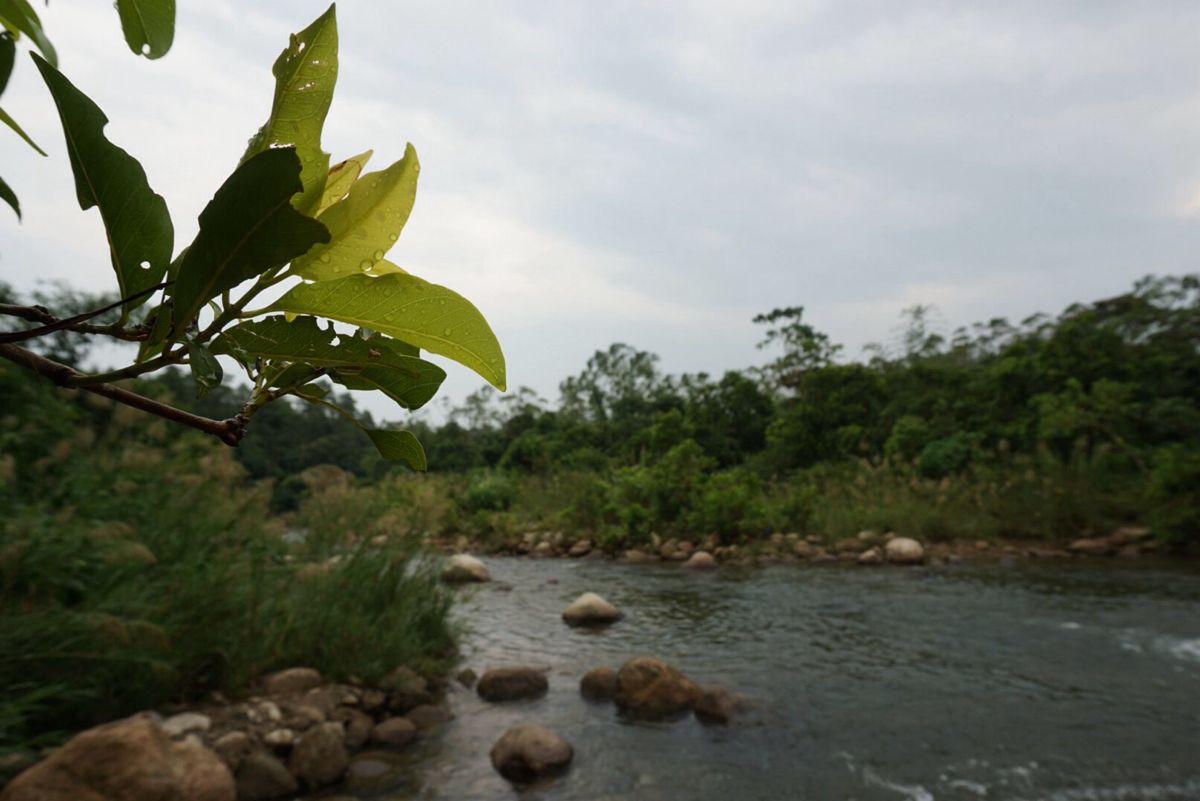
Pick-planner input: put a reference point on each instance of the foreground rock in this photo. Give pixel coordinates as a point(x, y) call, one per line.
point(512, 684)
point(128, 760)
point(700, 560)
point(525, 753)
point(463, 568)
point(261, 777)
point(394, 732)
point(904, 551)
point(590, 609)
point(652, 688)
point(599, 684)
point(319, 756)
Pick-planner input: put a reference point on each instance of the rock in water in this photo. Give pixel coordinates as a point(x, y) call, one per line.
point(511, 684)
point(871, 556)
point(700, 560)
point(394, 731)
point(904, 551)
point(717, 706)
point(530, 752)
point(590, 609)
point(128, 760)
point(463, 568)
point(652, 688)
point(599, 684)
point(319, 757)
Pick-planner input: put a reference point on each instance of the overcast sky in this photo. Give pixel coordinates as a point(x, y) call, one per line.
point(658, 173)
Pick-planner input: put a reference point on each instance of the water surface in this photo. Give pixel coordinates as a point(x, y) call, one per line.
point(1063, 681)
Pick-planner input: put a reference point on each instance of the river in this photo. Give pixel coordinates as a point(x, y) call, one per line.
point(1063, 681)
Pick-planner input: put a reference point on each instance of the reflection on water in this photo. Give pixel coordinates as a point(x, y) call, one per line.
point(1028, 681)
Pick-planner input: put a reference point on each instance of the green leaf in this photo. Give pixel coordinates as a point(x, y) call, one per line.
point(400, 446)
point(19, 17)
point(160, 322)
point(140, 235)
point(8, 55)
point(11, 123)
point(248, 228)
point(404, 306)
point(148, 25)
point(206, 370)
point(341, 177)
point(366, 223)
point(10, 197)
point(305, 74)
point(378, 363)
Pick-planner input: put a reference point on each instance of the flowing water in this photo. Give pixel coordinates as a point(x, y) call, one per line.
point(1063, 681)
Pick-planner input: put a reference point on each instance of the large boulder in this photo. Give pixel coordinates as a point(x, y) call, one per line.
point(511, 684)
point(262, 777)
point(463, 568)
point(652, 688)
point(319, 757)
point(128, 760)
point(525, 753)
point(599, 684)
point(904, 551)
point(590, 609)
point(700, 560)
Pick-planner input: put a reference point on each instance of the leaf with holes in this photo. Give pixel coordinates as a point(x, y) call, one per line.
point(148, 25)
point(364, 225)
point(140, 235)
point(305, 74)
point(403, 306)
point(248, 228)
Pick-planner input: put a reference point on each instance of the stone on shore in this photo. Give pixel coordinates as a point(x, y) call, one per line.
point(462, 568)
point(262, 777)
point(700, 560)
point(406, 689)
point(599, 684)
point(128, 760)
point(426, 716)
point(528, 752)
point(291, 681)
point(871, 556)
point(394, 731)
point(186, 723)
point(581, 548)
point(904, 551)
point(511, 684)
point(590, 609)
point(319, 757)
point(1091, 547)
point(652, 688)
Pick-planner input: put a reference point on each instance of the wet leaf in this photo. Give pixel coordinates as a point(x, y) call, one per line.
point(341, 177)
point(405, 307)
point(365, 224)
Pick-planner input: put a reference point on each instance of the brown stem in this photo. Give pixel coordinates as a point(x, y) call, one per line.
point(229, 431)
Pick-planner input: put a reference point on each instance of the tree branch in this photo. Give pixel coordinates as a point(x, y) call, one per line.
point(229, 431)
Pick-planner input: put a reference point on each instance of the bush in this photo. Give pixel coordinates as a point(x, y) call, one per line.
point(489, 492)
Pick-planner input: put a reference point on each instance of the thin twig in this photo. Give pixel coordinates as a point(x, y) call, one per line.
point(229, 431)
point(41, 314)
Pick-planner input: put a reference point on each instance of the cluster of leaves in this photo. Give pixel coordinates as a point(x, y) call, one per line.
point(283, 217)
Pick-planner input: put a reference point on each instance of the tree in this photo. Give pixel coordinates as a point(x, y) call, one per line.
point(283, 218)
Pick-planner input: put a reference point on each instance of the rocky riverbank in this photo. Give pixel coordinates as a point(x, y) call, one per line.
point(867, 548)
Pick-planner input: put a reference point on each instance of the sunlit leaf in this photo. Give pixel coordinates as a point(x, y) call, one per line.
point(341, 177)
point(136, 222)
point(11, 123)
point(404, 306)
point(305, 74)
point(206, 370)
point(18, 16)
point(366, 223)
point(400, 446)
point(248, 227)
point(9, 197)
point(148, 25)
